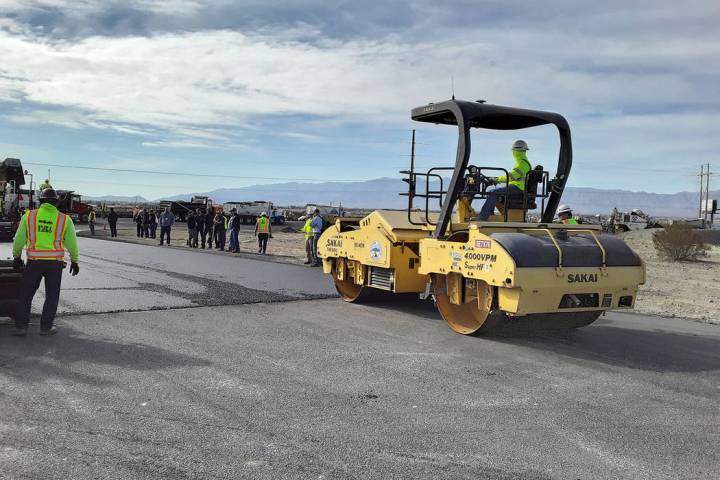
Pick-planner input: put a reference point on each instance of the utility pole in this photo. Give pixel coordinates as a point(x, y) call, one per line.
point(704, 192)
point(707, 192)
point(702, 174)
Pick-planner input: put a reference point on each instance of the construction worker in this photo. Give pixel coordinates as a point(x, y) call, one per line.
point(565, 215)
point(91, 220)
point(513, 185)
point(167, 219)
point(234, 227)
point(220, 229)
point(45, 185)
point(316, 224)
point(263, 232)
point(200, 225)
point(112, 219)
point(308, 241)
point(46, 233)
point(209, 224)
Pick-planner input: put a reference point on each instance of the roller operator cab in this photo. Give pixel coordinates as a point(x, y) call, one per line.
point(485, 275)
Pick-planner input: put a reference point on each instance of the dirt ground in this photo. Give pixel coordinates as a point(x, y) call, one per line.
point(677, 289)
point(672, 289)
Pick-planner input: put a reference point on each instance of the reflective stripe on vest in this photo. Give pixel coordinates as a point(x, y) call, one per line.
point(262, 225)
point(39, 247)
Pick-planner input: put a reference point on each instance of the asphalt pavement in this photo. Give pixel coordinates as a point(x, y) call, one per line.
point(220, 367)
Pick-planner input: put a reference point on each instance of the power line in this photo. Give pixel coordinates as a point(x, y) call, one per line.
point(189, 174)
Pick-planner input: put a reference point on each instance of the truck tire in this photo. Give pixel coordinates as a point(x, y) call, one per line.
point(84, 218)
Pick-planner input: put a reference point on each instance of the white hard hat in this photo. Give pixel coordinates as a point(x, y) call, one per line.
point(520, 145)
point(564, 209)
point(263, 214)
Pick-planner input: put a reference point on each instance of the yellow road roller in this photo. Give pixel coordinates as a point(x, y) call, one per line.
point(485, 275)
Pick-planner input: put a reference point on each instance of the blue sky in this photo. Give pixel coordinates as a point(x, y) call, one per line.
point(322, 90)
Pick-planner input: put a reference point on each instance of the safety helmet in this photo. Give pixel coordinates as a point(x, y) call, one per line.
point(520, 145)
point(263, 214)
point(49, 195)
point(564, 209)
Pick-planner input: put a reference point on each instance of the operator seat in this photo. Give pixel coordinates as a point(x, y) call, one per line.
point(516, 201)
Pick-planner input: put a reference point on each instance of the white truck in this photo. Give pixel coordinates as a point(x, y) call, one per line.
point(250, 211)
point(633, 220)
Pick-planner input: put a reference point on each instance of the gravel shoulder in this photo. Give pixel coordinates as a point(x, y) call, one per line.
point(677, 289)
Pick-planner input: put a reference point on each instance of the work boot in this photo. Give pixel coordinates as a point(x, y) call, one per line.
point(50, 331)
point(18, 332)
point(308, 262)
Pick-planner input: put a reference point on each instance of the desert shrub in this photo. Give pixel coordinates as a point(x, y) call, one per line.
point(679, 242)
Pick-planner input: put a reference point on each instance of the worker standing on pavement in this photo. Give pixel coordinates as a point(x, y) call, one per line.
point(512, 184)
point(263, 232)
point(153, 223)
point(234, 227)
point(138, 224)
point(112, 221)
point(219, 228)
point(200, 225)
point(46, 233)
point(316, 224)
point(167, 218)
point(91, 220)
point(307, 229)
point(191, 221)
point(566, 216)
point(209, 226)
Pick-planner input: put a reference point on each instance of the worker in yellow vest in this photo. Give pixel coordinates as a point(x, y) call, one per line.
point(46, 233)
point(263, 232)
point(92, 217)
point(308, 240)
point(566, 216)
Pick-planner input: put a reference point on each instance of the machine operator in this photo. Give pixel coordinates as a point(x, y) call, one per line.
point(46, 233)
point(514, 185)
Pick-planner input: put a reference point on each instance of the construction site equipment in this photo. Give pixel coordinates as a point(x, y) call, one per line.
point(71, 204)
point(485, 275)
point(633, 220)
point(12, 177)
point(250, 211)
point(181, 209)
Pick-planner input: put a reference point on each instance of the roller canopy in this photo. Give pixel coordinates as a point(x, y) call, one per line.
point(466, 115)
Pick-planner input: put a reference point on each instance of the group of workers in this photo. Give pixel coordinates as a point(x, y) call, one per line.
point(212, 226)
point(313, 228)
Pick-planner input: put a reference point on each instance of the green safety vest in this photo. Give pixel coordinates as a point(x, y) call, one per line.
point(262, 225)
point(308, 229)
point(570, 221)
point(45, 233)
point(518, 173)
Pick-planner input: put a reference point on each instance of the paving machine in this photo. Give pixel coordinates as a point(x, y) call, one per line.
point(485, 275)
point(12, 177)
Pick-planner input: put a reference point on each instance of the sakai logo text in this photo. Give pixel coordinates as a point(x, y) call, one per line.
point(333, 242)
point(582, 278)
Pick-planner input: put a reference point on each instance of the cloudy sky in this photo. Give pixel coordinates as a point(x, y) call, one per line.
point(233, 93)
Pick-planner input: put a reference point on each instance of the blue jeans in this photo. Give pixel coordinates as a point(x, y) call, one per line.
point(492, 198)
point(234, 242)
point(316, 237)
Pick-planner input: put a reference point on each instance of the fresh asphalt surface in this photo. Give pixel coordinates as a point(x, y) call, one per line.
point(186, 378)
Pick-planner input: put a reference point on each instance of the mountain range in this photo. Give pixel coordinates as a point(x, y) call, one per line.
point(383, 193)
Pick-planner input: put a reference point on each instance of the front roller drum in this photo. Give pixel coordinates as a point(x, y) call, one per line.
point(465, 304)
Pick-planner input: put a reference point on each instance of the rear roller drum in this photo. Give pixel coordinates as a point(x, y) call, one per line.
point(347, 288)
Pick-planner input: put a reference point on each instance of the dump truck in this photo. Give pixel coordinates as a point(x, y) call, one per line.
point(484, 275)
point(250, 211)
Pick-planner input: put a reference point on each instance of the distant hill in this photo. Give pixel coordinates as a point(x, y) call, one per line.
point(383, 193)
point(116, 199)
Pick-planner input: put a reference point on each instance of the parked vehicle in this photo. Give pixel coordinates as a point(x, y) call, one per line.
point(250, 211)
